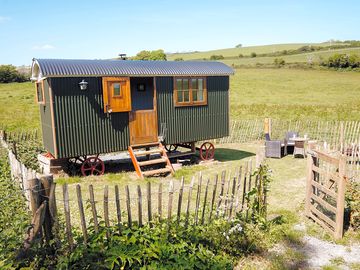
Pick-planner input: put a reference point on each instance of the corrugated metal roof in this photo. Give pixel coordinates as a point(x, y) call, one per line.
point(76, 67)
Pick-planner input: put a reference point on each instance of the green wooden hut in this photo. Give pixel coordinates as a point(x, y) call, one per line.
point(92, 107)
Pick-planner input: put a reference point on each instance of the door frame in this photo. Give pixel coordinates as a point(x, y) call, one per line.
point(131, 113)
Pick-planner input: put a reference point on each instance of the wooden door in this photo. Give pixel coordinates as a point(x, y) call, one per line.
point(143, 127)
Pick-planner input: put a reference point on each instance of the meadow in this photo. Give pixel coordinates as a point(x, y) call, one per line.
point(254, 93)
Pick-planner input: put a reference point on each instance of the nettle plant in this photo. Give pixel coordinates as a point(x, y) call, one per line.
point(257, 197)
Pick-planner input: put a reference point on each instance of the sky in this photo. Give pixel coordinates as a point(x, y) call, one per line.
point(86, 29)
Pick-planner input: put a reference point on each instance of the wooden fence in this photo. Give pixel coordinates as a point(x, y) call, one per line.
point(19, 172)
point(325, 190)
point(333, 132)
point(199, 202)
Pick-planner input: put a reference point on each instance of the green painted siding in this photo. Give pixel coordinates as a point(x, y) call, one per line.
point(196, 123)
point(82, 127)
point(45, 118)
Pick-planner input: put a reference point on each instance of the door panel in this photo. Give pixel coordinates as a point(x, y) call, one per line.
point(143, 127)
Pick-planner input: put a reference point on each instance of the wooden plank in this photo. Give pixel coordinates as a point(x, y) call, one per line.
point(93, 208)
point(324, 189)
point(237, 202)
point(244, 187)
point(213, 197)
point(128, 207)
point(106, 210)
point(326, 157)
point(227, 195)
point(323, 203)
point(34, 186)
point(309, 180)
point(135, 162)
point(170, 202)
point(67, 217)
point(118, 209)
point(139, 205)
point(81, 212)
point(322, 216)
point(340, 199)
point(188, 202)
point(46, 182)
point(205, 201)
point(329, 175)
point(181, 190)
point(223, 175)
point(160, 201)
point(149, 208)
point(197, 204)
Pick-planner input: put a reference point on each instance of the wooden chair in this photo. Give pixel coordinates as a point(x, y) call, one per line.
point(274, 148)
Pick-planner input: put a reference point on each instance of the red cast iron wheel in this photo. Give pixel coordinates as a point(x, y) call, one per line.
point(92, 166)
point(207, 151)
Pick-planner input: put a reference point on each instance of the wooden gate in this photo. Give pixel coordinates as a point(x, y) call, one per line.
point(325, 195)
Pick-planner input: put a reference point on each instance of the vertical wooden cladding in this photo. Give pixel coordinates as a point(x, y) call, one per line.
point(82, 127)
point(46, 118)
point(116, 101)
point(194, 123)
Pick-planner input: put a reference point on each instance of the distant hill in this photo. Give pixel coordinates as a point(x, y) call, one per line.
point(231, 55)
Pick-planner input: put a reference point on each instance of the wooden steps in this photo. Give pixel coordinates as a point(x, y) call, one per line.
point(156, 156)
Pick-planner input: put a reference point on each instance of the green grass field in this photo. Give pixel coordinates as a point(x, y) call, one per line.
point(295, 94)
point(254, 93)
point(18, 109)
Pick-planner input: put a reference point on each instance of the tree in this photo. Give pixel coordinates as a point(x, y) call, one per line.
point(241, 55)
point(253, 54)
point(179, 59)
point(8, 73)
point(238, 46)
point(157, 55)
point(279, 62)
point(216, 57)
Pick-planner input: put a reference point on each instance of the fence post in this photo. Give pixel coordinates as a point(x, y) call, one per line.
point(67, 216)
point(128, 207)
point(34, 195)
point(171, 193)
point(340, 200)
point(139, 205)
point(46, 183)
point(106, 210)
point(118, 209)
point(309, 179)
point(93, 208)
point(205, 201)
point(181, 190)
point(149, 203)
point(160, 201)
point(81, 211)
point(213, 197)
point(197, 203)
point(188, 202)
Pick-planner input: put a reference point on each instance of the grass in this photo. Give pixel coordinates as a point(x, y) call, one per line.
point(18, 109)
point(254, 93)
point(295, 94)
point(234, 52)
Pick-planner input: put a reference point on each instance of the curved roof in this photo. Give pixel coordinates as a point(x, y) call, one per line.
point(75, 67)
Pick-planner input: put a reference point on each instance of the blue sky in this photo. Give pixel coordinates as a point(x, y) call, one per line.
point(102, 29)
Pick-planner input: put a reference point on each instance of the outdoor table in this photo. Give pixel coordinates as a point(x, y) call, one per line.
point(299, 146)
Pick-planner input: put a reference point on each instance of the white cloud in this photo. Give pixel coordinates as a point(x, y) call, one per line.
point(43, 47)
point(4, 19)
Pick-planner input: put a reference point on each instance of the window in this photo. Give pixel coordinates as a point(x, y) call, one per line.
point(116, 94)
point(190, 91)
point(40, 98)
point(116, 89)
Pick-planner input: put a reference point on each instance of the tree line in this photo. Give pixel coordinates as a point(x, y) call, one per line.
point(9, 73)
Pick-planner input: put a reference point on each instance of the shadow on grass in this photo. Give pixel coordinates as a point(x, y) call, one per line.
point(227, 154)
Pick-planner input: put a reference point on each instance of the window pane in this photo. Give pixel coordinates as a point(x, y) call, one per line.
point(39, 92)
point(185, 84)
point(195, 95)
point(200, 84)
point(193, 84)
point(200, 95)
point(180, 96)
point(179, 84)
point(117, 89)
point(186, 96)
